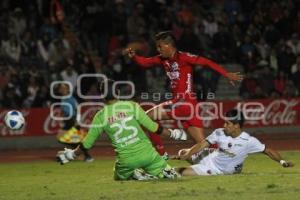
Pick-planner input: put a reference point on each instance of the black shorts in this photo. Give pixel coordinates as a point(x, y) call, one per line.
point(69, 123)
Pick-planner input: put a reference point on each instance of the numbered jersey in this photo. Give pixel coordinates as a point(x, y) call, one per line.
point(123, 122)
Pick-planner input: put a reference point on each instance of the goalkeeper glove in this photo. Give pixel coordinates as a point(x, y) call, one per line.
point(141, 175)
point(65, 156)
point(70, 154)
point(61, 158)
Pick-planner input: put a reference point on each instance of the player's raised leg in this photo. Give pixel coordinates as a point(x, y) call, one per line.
point(191, 121)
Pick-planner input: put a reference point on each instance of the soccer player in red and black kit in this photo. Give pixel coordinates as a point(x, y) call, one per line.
point(178, 66)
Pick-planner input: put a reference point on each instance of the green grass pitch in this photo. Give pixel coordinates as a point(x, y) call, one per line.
point(261, 179)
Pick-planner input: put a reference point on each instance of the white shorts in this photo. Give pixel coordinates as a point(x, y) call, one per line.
point(205, 167)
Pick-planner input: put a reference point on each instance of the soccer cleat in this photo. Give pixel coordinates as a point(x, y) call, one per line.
point(69, 154)
point(141, 175)
point(171, 173)
point(89, 159)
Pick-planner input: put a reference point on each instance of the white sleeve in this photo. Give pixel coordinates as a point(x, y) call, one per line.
point(255, 146)
point(213, 138)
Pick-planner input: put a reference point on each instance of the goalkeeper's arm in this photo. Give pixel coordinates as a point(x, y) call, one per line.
point(87, 142)
point(94, 132)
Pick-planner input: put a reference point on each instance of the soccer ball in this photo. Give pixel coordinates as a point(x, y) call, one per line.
point(14, 120)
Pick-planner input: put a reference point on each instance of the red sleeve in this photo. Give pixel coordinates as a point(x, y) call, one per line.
point(198, 60)
point(146, 62)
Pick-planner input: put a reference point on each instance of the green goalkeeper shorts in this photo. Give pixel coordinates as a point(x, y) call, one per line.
point(151, 162)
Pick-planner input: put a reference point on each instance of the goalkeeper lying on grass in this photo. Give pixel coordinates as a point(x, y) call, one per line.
point(234, 147)
point(122, 121)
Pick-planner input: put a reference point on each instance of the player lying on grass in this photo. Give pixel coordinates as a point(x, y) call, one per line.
point(122, 121)
point(234, 147)
point(178, 67)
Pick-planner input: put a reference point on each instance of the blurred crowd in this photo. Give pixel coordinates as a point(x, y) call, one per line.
point(48, 40)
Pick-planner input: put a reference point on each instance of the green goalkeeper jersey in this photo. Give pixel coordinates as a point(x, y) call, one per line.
point(122, 122)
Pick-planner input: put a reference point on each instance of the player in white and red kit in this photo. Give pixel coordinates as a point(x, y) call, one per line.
point(178, 66)
point(234, 145)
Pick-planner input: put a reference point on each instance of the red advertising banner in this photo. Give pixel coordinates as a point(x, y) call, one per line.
point(262, 113)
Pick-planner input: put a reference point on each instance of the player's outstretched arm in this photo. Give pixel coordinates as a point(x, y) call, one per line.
point(140, 60)
point(187, 153)
point(94, 132)
point(198, 60)
point(235, 77)
point(275, 155)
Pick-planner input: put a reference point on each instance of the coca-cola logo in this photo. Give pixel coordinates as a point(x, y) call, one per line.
point(52, 126)
point(278, 112)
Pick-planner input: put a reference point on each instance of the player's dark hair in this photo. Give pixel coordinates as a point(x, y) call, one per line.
point(166, 36)
point(109, 84)
point(235, 117)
